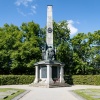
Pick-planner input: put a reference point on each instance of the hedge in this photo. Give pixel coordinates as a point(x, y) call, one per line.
point(16, 79)
point(83, 79)
point(27, 79)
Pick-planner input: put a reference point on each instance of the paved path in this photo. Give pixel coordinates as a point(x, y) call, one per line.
point(62, 93)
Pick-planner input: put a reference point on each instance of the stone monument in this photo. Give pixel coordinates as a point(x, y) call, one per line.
point(49, 72)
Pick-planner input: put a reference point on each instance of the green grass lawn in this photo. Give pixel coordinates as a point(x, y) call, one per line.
point(89, 94)
point(10, 97)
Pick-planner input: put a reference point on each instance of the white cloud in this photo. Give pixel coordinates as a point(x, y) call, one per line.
point(33, 9)
point(73, 29)
point(23, 2)
point(21, 12)
point(78, 22)
point(28, 7)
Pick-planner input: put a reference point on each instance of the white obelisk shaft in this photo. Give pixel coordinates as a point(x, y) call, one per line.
point(49, 33)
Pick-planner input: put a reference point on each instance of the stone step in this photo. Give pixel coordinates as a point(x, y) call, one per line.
point(50, 85)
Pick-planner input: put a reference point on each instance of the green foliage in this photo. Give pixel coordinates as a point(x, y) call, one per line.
point(10, 97)
point(88, 96)
point(83, 79)
point(16, 79)
point(20, 48)
point(27, 79)
point(60, 33)
point(85, 53)
point(62, 43)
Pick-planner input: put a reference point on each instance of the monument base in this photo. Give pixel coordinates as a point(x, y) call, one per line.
point(53, 85)
point(49, 73)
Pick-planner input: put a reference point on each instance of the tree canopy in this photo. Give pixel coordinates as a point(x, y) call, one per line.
point(20, 48)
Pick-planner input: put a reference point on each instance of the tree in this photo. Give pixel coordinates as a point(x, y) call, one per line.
point(29, 51)
point(81, 53)
point(62, 42)
point(7, 41)
point(95, 51)
point(19, 48)
point(61, 33)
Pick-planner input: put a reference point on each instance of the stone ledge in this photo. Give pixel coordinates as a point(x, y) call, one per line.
point(50, 85)
point(21, 95)
point(3, 96)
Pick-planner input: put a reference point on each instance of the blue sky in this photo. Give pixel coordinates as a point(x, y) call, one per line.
point(82, 15)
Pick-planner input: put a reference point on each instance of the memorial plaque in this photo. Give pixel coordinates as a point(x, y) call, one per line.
point(44, 72)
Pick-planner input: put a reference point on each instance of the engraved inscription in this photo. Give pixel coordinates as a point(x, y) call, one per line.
point(44, 72)
point(49, 30)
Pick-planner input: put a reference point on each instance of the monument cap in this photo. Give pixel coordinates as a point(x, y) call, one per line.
point(49, 5)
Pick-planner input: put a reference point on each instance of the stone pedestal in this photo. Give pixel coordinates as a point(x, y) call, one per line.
point(62, 75)
point(47, 80)
point(49, 75)
point(36, 74)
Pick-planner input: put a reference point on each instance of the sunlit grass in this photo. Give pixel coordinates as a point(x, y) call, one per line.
point(10, 97)
point(88, 93)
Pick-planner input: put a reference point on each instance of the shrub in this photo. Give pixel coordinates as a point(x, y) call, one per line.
point(27, 79)
point(83, 79)
point(16, 79)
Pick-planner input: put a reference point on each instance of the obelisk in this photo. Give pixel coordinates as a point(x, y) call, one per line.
point(49, 72)
point(49, 32)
